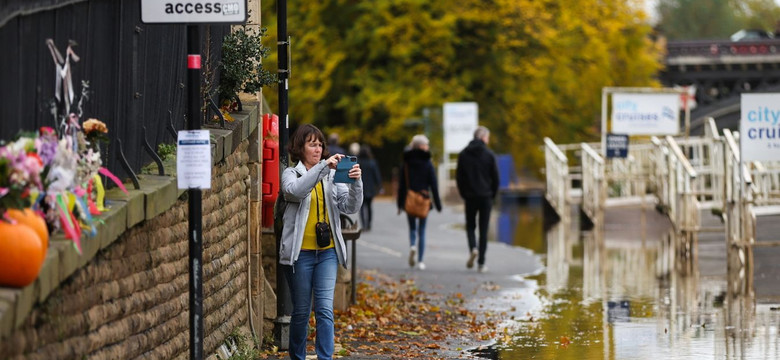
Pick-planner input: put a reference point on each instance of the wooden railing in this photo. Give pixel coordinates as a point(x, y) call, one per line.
point(628, 177)
point(674, 180)
point(557, 174)
point(684, 211)
point(705, 155)
point(593, 183)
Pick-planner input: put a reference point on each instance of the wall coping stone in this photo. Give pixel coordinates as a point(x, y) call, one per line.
point(157, 194)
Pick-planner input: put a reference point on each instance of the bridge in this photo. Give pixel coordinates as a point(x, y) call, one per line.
point(721, 70)
point(698, 182)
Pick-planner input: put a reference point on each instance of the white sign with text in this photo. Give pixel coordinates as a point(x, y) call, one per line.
point(759, 127)
point(460, 121)
point(646, 114)
point(193, 159)
point(193, 11)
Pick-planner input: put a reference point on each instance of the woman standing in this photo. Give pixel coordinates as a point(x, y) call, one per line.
point(417, 173)
point(311, 243)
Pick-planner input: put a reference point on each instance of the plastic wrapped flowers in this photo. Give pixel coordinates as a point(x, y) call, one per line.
point(57, 177)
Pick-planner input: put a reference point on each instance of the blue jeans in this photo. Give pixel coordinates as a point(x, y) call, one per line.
point(417, 228)
point(313, 273)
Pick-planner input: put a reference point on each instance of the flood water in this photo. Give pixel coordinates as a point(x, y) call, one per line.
point(632, 297)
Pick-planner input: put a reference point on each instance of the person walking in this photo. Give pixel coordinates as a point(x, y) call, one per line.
point(417, 174)
point(477, 180)
point(334, 146)
point(311, 245)
point(372, 184)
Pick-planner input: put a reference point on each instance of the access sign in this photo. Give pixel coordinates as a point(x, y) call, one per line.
point(193, 12)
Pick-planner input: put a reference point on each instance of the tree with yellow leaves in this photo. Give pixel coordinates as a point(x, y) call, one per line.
point(536, 67)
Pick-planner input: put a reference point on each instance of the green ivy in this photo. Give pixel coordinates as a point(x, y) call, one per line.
point(241, 68)
point(166, 150)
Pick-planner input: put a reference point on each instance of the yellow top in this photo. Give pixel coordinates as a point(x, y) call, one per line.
point(309, 236)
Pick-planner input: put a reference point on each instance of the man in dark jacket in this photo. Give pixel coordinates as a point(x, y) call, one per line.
point(477, 179)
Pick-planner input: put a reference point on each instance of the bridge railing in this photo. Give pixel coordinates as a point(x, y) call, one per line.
point(557, 174)
point(705, 155)
point(675, 181)
point(593, 183)
point(766, 183)
point(739, 195)
point(628, 177)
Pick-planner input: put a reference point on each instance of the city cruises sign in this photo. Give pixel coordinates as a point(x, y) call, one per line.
point(194, 11)
point(759, 127)
point(646, 114)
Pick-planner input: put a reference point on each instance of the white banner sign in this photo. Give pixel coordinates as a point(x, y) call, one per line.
point(759, 127)
point(193, 159)
point(460, 121)
point(646, 114)
point(193, 11)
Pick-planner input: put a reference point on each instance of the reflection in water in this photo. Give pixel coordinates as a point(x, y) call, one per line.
point(628, 298)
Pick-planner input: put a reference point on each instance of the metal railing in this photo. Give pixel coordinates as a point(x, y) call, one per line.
point(593, 183)
point(557, 174)
point(705, 155)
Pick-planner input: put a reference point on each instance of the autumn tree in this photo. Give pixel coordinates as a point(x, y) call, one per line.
point(536, 67)
point(715, 19)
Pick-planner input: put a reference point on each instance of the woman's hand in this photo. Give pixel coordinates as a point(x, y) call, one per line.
point(355, 172)
point(333, 161)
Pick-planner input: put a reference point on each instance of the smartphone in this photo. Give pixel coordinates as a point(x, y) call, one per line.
point(342, 170)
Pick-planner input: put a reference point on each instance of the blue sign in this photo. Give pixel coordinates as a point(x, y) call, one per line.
point(617, 145)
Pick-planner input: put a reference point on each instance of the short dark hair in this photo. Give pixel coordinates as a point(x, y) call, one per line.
point(300, 137)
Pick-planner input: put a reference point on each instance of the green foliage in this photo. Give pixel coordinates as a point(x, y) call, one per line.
point(697, 19)
point(241, 68)
point(715, 19)
point(243, 347)
point(535, 67)
point(165, 151)
point(758, 14)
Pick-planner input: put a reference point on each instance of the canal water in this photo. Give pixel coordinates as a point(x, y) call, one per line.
point(630, 296)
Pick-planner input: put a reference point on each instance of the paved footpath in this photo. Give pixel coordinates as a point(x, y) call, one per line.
point(502, 289)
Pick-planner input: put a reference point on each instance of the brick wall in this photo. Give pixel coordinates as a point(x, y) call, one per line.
point(131, 299)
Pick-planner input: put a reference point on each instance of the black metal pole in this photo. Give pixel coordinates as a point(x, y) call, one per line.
point(195, 208)
point(283, 301)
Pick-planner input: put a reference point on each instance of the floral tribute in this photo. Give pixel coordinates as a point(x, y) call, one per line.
point(50, 181)
point(57, 176)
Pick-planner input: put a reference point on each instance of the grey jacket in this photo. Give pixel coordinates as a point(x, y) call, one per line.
point(297, 184)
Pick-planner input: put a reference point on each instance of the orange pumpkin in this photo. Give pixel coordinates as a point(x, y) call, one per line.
point(21, 255)
point(34, 221)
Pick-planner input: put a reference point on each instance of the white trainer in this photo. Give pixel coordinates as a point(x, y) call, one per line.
point(482, 269)
point(412, 256)
point(472, 257)
point(421, 266)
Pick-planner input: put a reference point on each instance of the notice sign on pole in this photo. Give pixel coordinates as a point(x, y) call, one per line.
point(646, 114)
point(759, 127)
point(193, 160)
point(460, 121)
point(617, 145)
point(193, 11)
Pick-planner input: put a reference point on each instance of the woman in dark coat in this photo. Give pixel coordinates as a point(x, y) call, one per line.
point(422, 178)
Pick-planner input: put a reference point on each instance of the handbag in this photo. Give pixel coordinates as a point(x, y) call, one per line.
point(321, 228)
point(417, 203)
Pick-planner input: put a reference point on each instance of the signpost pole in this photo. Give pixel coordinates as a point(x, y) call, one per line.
point(194, 146)
point(283, 300)
point(194, 203)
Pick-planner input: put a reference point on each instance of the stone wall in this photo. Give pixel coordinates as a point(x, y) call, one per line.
point(128, 297)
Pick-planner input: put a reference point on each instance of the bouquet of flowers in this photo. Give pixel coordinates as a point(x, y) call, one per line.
point(20, 174)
